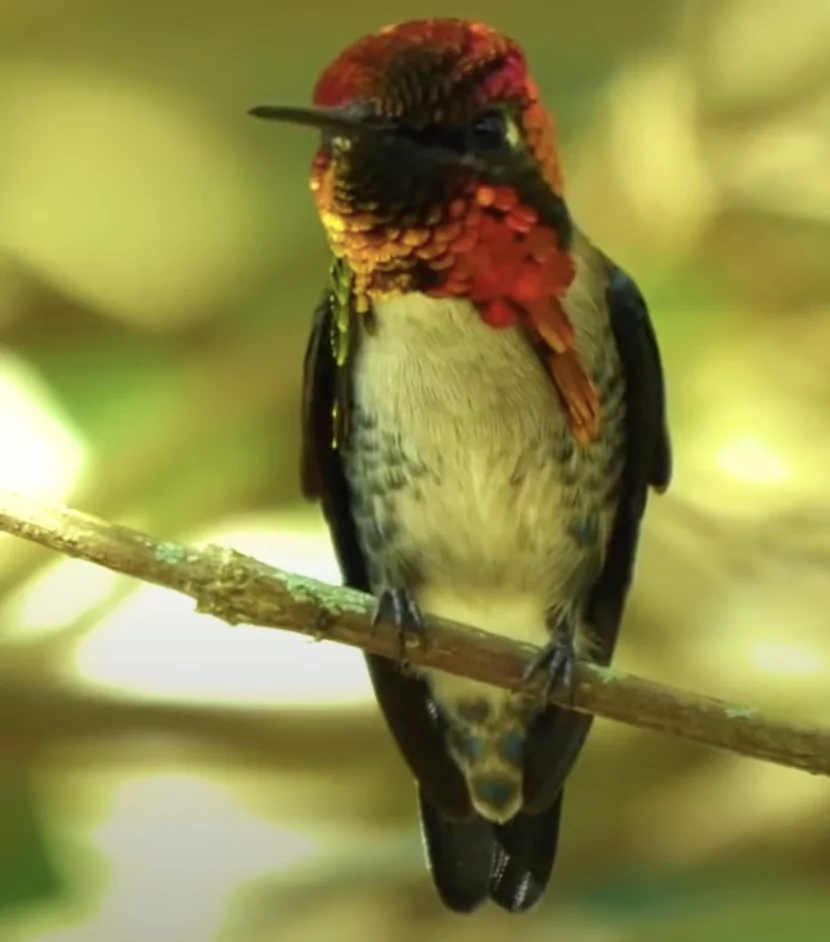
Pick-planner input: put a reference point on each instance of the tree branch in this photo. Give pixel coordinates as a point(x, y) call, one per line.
point(240, 589)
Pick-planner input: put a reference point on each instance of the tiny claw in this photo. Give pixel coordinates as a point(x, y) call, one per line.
point(397, 607)
point(558, 659)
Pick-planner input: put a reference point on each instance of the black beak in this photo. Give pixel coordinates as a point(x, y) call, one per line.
point(355, 121)
point(344, 122)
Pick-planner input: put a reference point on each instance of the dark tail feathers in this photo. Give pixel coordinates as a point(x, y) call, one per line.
point(473, 860)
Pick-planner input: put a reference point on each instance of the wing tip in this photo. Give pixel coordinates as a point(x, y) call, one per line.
point(663, 466)
point(520, 895)
point(458, 900)
point(473, 861)
point(459, 855)
point(526, 853)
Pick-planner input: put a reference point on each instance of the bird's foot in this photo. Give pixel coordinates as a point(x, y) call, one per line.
point(558, 660)
point(397, 607)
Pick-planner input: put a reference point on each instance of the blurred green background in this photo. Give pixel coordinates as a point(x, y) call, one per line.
point(166, 778)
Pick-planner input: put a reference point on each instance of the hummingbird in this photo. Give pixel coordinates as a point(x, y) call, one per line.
point(483, 418)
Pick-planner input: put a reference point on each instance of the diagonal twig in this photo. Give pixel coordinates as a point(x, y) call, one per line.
point(241, 590)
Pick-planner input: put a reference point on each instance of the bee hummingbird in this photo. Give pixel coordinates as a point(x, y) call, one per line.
point(483, 416)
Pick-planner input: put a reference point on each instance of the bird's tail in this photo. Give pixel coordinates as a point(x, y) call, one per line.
point(475, 859)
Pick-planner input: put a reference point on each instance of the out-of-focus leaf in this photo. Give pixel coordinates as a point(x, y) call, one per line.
point(764, 913)
point(98, 378)
point(27, 871)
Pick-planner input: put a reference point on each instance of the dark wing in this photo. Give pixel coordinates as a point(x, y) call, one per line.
point(404, 699)
point(648, 460)
point(558, 735)
point(321, 476)
point(460, 856)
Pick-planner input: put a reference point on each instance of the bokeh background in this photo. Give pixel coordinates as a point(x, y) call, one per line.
point(165, 777)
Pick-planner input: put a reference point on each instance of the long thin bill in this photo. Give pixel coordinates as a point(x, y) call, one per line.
point(355, 122)
point(334, 120)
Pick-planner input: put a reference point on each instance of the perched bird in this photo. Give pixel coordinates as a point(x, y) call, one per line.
point(483, 416)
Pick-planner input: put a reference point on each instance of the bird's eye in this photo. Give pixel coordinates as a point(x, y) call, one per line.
point(488, 132)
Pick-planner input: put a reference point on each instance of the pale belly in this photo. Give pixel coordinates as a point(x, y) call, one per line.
point(469, 489)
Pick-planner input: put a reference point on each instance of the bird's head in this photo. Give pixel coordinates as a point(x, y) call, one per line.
point(438, 169)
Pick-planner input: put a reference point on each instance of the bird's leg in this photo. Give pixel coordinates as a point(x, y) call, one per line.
point(399, 608)
point(557, 659)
